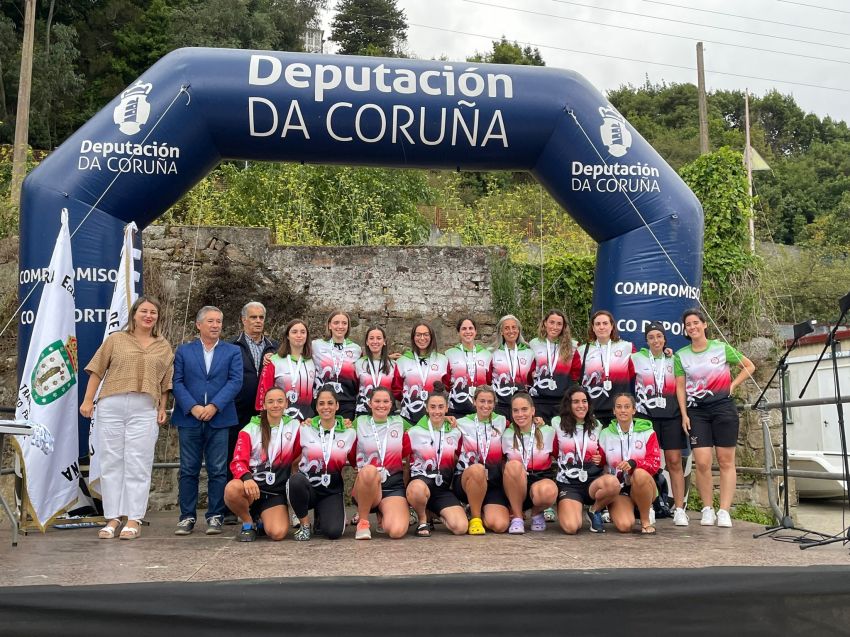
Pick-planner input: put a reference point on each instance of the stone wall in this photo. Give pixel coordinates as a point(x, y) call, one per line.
point(389, 286)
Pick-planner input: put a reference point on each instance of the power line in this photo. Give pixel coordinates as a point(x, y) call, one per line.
point(745, 17)
point(814, 6)
point(627, 59)
point(699, 24)
point(669, 35)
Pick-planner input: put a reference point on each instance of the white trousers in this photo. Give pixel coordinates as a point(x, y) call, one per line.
point(126, 438)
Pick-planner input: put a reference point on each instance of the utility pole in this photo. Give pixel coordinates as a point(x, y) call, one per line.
point(22, 119)
point(703, 108)
point(748, 160)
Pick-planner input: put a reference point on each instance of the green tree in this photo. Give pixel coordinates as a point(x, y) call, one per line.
point(369, 27)
point(312, 205)
point(504, 52)
point(730, 279)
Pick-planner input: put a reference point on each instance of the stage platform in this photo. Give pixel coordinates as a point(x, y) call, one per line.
point(683, 581)
point(77, 556)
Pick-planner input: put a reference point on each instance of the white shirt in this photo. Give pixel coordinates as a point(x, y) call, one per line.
point(208, 354)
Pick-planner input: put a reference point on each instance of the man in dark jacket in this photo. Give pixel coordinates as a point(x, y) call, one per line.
point(256, 347)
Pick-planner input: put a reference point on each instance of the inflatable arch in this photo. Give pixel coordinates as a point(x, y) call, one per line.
point(195, 107)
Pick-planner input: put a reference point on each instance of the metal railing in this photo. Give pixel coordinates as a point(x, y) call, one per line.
point(768, 470)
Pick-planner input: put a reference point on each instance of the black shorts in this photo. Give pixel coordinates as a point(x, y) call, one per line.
point(495, 494)
point(441, 497)
point(547, 409)
point(605, 417)
point(266, 501)
point(714, 425)
point(504, 409)
point(394, 486)
point(578, 491)
point(533, 477)
point(670, 433)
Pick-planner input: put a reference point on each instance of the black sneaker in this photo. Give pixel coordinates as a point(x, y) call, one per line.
point(247, 534)
point(230, 520)
point(185, 526)
point(214, 525)
point(595, 518)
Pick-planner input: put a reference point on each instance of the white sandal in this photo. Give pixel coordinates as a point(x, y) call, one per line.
point(108, 531)
point(131, 532)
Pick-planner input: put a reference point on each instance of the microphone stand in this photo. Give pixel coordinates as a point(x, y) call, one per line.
point(832, 345)
point(786, 523)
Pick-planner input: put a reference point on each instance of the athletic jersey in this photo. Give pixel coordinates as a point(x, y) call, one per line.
point(414, 378)
point(325, 451)
point(480, 440)
point(467, 370)
point(708, 376)
point(568, 446)
point(639, 444)
point(511, 367)
point(552, 377)
point(371, 375)
point(335, 366)
point(523, 447)
point(390, 448)
point(295, 376)
point(616, 358)
point(656, 378)
point(250, 460)
point(433, 450)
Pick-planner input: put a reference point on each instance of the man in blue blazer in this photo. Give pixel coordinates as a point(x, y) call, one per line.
point(207, 378)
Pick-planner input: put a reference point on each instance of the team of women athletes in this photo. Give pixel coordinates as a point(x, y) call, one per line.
point(478, 437)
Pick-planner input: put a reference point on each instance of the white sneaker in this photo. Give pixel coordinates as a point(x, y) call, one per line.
point(723, 518)
point(708, 517)
point(680, 518)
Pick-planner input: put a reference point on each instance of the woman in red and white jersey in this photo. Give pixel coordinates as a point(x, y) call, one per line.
point(374, 368)
point(581, 476)
point(513, 363)
point(557, 364)
point(527, 479)
point(291, 370)
point(382, 446)
point(434, 445)
point(334, 359)
point(631, 455)
point(262, 461)
point(710, 416)
point(469, 366)
point(417, 370)
point(656, 383)
point(478, 475)
point(327, 445)
point(606, 364)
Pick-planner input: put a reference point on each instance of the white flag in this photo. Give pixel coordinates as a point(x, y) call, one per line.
point(47, 396)
point(123, 296)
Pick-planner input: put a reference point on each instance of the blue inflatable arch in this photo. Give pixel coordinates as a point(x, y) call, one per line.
point(195, 107)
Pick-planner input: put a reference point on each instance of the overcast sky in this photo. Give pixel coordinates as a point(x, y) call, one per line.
point(808, 56)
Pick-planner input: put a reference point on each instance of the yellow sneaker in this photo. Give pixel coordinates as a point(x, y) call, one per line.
point(476, 527)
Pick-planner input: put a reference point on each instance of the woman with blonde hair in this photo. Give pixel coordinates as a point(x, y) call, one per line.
point(512, 364)
point(135, 366)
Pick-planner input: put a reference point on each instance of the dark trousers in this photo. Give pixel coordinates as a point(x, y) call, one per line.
point(328, 504)
point(197, 444)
